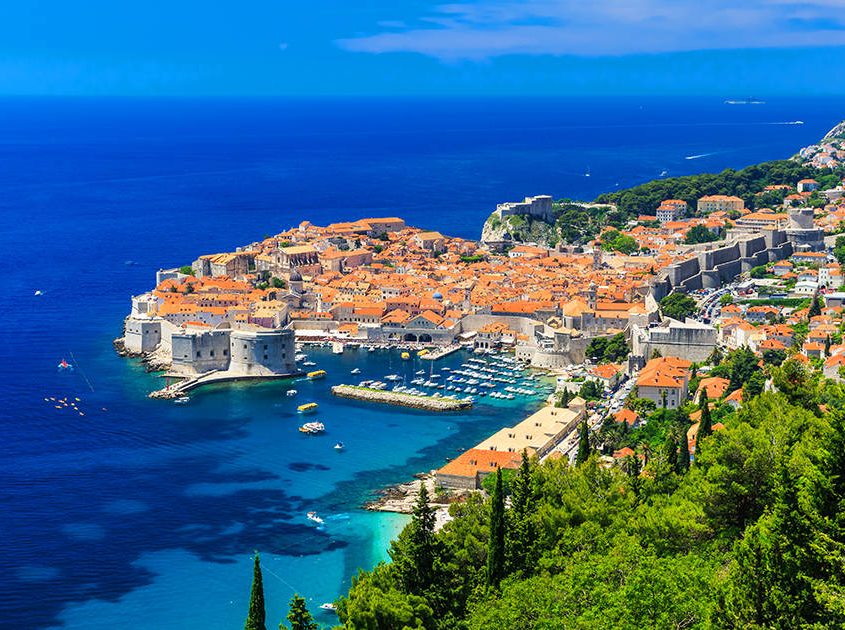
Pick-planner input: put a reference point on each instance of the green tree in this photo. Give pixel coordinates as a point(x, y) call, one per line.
point(705, 426)
point(521, 531)
point(839, 249)
point(186, 270)
point(726, 299)
point(298, 616)
point(255, 619)
point(815, 307)
point(742, 363)
point(678, 306)
point(277, 283)
point(699, 234)
point(583, 443)
point(754, 386)
point(496, 542)
point(416, 550)
point(684, 455)
point(591, 390)
point(774, 357)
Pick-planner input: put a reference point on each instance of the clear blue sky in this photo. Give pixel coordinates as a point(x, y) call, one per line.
point(535, 47)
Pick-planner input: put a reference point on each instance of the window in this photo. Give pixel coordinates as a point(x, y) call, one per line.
point(199, 354)
point(225, 352)
point(265, 346)
point(265, 357)
point(211, 353)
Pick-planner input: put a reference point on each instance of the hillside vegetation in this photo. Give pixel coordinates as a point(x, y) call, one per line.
point(751, 534)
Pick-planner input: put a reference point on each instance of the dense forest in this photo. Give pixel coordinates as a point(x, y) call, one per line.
point(744, 183)
point(750, 534)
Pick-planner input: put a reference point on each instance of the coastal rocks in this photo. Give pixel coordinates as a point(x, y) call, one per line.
point(402, 498)
point(153, 361)
point(400, 399)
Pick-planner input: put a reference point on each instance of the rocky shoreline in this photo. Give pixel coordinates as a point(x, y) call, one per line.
point(152, 361)
point(401, 498)
point(402, 400)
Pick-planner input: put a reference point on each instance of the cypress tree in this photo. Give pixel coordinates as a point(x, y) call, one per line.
point(298, 616)
point(683, 457)
point(672, 452)
point(705, 427)
point(583, 444)
point(255, 619)
point(815, 307)
point(496, 543)
point(827, 346)
point(520, 539)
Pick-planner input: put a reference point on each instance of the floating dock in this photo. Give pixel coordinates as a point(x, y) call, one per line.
point(426, 403)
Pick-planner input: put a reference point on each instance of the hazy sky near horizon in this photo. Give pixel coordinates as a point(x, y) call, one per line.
point(541, 47)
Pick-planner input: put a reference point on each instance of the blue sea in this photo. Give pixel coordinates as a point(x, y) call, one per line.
point(146, 514)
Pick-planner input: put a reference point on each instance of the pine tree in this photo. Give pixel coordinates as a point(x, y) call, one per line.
point(299, 617)
point(683, 456)
point(705, 427)
point(255, 619)
point(496, 542)
point(583, 444)
point(415, 551)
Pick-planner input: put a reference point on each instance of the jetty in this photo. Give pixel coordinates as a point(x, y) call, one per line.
point(400, 399)
point(440, 353)
point(177, 390)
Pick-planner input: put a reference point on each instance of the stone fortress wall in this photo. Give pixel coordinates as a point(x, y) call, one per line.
point(718, 263)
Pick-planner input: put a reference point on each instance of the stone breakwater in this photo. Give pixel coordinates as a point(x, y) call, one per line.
point(400, 399)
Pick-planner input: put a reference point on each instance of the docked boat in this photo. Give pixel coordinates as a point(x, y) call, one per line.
point(337, 347)
point(393, 377)
point(300, 357)
point(312, 428)
point(307, 407)
point(312, 516)
point(309, 363)
point(405, 356)
point(316, 374)
point(422, 352)
point(291, 393)
point(182, 400)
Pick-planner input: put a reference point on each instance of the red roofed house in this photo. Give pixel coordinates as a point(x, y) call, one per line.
point(664, 377)
point(466, 471)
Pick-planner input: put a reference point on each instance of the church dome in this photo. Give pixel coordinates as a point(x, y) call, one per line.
point(295, 276)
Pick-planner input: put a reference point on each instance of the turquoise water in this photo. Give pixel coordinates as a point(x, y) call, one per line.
point(265, 477)
point(149, 512)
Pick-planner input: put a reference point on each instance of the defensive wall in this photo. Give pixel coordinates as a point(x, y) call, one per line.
point(711, 265)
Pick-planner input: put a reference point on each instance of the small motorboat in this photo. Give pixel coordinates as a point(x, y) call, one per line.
point(338, 446)
point(312, 428)
point(39, 292)
point(312, 516)
point(328, 606)
point(355, 371)
point(316, 374)
point(291, 393)
point(64, 365)
point(307, 407)
point(405, 356)
point(182, 400)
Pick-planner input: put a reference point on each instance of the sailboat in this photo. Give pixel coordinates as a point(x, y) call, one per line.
point(64, 365)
